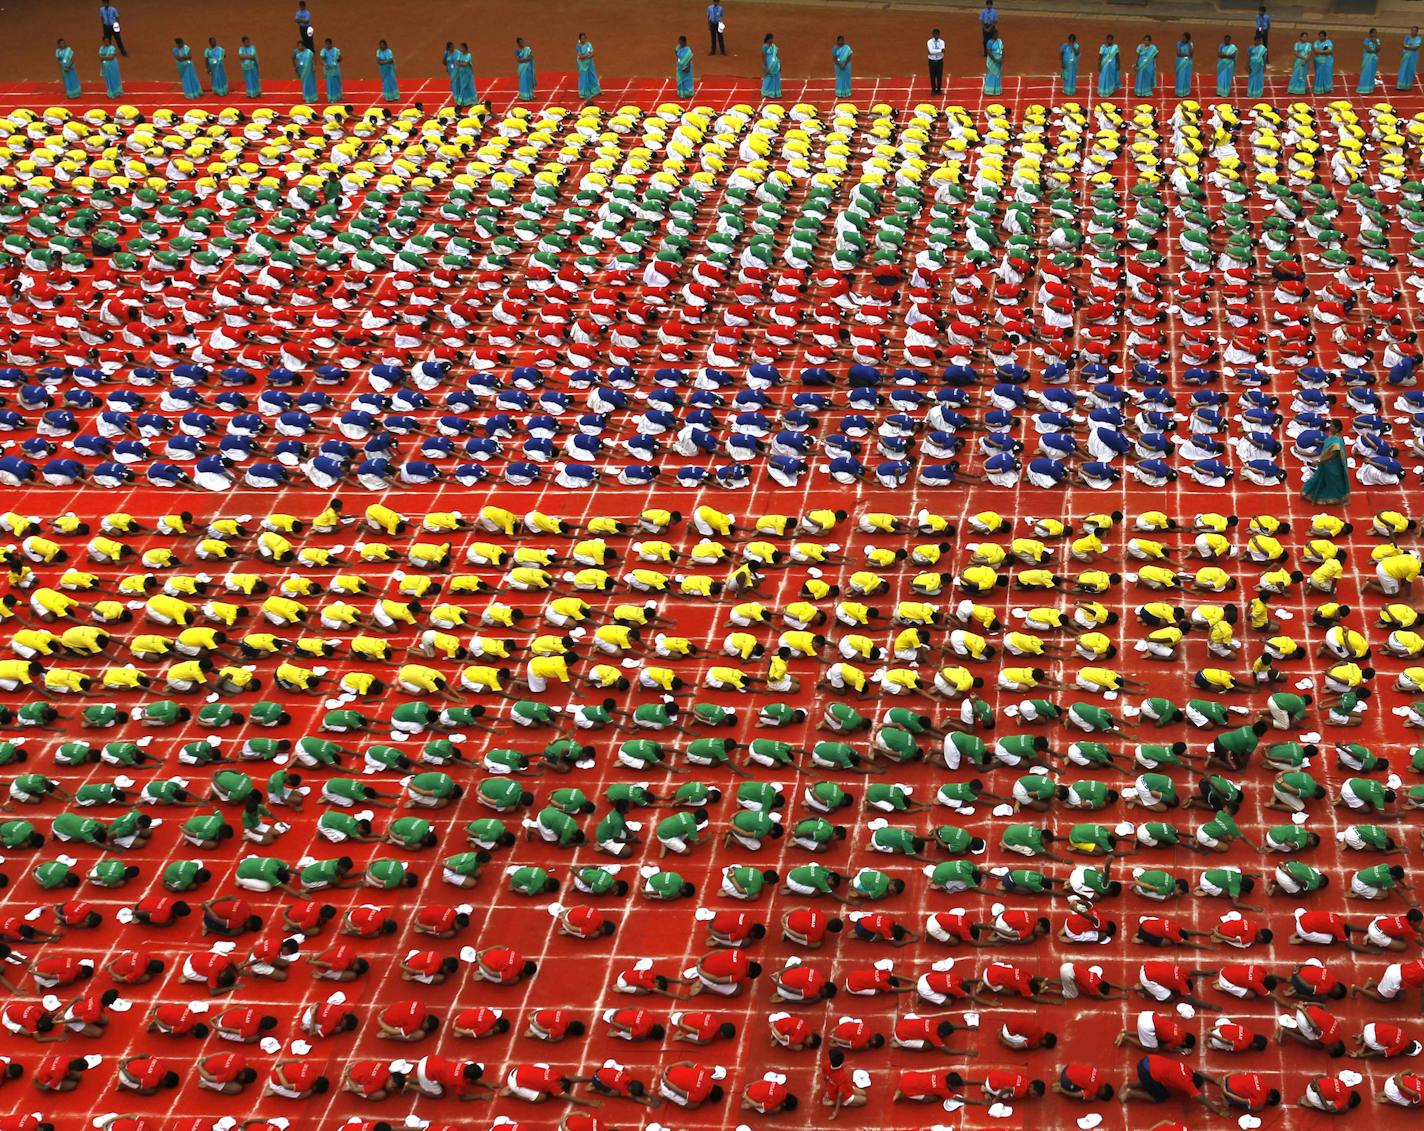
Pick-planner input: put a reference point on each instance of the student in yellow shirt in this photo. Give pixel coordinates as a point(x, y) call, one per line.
point(846, 677)
point(418, 679)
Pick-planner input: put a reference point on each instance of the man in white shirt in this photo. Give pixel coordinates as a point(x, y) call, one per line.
point(936, 50)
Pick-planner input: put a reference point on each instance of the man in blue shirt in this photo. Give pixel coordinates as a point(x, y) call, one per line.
point(1263, 27)
point(714, 28)
point(988, 24)
point(304, 25)
point(109, 21)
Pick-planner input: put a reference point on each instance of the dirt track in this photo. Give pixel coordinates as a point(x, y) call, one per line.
point(631, 38)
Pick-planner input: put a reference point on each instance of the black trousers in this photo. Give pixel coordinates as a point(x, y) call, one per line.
point(936, 76)
point(114, 34)
point(989, 33)
point(307, 35)
point(719, 42)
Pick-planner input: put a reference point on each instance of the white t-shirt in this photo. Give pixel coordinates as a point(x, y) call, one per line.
point(936, 48)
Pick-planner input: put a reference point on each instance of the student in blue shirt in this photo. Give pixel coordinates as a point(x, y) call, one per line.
point(304, 26)
point(714, 29)
point(1263, 26)
point(989, 24)
point(109, 24)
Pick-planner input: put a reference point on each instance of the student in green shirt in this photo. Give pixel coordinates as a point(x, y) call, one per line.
point(826, 797)
point(1295, 877)
point(871, 884)
point(954, 876)
point(1380, 881)
point(958, 842)
point(664, 887)
point(1232, 749)
point(681, 832)
point(463, 869)
point(742, 881)
point(596, 881)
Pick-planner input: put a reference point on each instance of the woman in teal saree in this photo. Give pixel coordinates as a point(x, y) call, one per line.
point(1330, 482)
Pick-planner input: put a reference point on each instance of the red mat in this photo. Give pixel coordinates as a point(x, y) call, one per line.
point(581, 976)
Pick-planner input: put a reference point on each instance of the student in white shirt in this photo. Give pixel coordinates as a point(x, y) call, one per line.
point(936, 52)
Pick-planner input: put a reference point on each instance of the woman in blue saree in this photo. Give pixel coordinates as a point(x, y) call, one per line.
point(1409, 60)
point(1145, 84)
point(386, 65)
point(994, 66)
point(682, 69)
point(1256, 56)
point(1225, 67)
point(465, 93)
point(524, 68)
point(1069, 52)
point(447, 60)
point(1329, 483)
point(770, 68)
point(1369, 64)
point(1323, 51)
point(64, 54)
point(1186, 53)
point(331, 68)
point(840, 57)
point(215, 59)
point(304, 63)
point(587, 73)
point(109, 68)
point(1300, 71)
point(251, 76)
point(1108, 68)
point(187, 73)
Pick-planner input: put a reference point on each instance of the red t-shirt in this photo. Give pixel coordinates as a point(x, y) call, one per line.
point(691, 1080)
point(225, 1067)
point(1085, 1077)
point(1173, 1076)
point(478, 1021)
point(406, 1016)
point(634, 1024)
point(703, 1026)
point(553, 1023)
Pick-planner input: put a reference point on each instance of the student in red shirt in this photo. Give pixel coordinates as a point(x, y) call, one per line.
point(537, 1083)
point(633, 1025)
point(133, 967)
point(701, 1028)
point(554, 1025)
point(1329, 1094)
point(689, 1085)
point(372, 1080)
point(1316, 1027)
point(1383, 1039)
point(1245, 1091)
point(932, 1086)
point(1160, 1079)
point(768, 1096)
point(146, 1075)
point(855, 1034)
point(1005, 1084)
point(844, 1088)
point(58, 1073)
point(406, 1020)
point(1083, 1082)
point(226, 1073)
point(807, 927)
point(479, 1022)
point(296, 1080)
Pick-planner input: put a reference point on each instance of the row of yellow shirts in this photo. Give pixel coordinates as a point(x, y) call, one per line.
point(380, 518)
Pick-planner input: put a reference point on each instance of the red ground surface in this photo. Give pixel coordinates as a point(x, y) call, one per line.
point(580, 976)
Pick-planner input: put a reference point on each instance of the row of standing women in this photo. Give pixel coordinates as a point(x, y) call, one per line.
point(1313, 71)
point(304, 64)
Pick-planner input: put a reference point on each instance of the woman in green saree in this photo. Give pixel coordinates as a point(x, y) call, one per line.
point(1330, 482)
